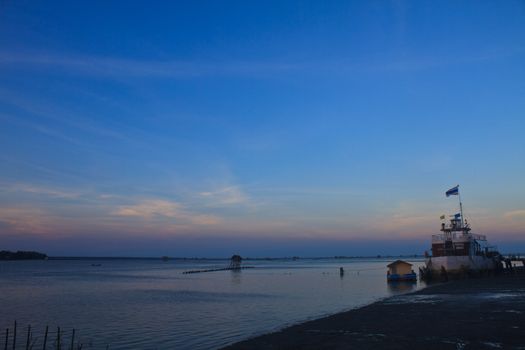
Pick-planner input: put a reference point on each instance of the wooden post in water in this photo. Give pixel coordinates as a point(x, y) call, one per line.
point(45, 338)
point(58, 338)
point(6, 338)
point(14, 337)
point(72, 339)
point(28, 336)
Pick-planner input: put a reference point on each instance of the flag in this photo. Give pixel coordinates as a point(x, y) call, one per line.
point(454, 191)
point(442, 217)
point(457, 216)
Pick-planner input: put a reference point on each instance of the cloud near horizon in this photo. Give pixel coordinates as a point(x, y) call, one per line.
point(515, 214)
point(153, 208)
point(52, 212)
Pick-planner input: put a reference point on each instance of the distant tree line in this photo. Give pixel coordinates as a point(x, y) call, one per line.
point(21, 255)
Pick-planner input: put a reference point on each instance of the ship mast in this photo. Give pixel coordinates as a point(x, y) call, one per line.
point(460, 208)
point(457, 225)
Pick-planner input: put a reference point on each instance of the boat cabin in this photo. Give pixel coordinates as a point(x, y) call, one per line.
point(457, 240)
point(399, 267)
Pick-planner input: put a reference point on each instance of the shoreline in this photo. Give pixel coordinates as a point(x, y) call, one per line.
point(479, 313)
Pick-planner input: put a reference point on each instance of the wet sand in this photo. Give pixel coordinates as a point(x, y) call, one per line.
point(483, 313)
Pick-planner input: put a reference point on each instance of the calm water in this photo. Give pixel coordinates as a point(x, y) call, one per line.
point(147, 304)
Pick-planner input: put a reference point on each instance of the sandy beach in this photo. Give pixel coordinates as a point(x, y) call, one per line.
point(483, 313)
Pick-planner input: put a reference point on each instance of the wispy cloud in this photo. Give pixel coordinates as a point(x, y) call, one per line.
point(150, 209)
point(225, 196)
point(515, 214)
point(111, 66)
point(54, 113)
point(39, 190)
point(105, 196)
point(27, 220)
point(54, 133)
point(42, 168)
point(106, 66)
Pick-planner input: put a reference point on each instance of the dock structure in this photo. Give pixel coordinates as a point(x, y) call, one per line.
point(512, 263)
point(235, 265)
point(219, 269)
point(515, 259)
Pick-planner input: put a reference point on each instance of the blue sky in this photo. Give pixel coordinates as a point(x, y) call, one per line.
point(267, 128)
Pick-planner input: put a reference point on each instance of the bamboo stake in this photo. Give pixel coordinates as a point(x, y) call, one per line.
point(45, 338)
point(28, 336)
point(14, 337)
point(58, 338)
point(33, 342)
point(72, 339)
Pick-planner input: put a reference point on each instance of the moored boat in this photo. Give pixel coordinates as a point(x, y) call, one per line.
point(458, 251)
point(400, 270)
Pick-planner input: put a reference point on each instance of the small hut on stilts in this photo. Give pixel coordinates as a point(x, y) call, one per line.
point(235, 262)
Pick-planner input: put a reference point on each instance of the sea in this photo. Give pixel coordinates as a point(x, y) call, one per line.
point(151, 304)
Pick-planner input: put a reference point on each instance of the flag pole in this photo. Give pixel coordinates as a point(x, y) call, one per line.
point(460, 207)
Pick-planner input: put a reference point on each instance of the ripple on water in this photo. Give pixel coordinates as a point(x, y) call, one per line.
point(157, 295)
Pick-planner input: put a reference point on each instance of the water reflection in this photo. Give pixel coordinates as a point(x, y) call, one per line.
point(402, 286)
point(235, 277)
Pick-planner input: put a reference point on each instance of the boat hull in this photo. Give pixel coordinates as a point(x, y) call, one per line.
point(398, 277)
point(460, 264)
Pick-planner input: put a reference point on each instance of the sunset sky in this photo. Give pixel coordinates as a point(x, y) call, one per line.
point(264, 128)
